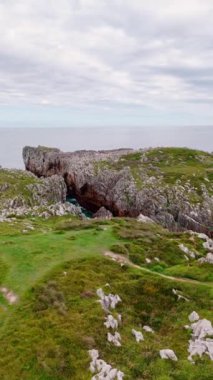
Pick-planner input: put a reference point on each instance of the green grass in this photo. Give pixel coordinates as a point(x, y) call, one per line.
point(56, 269)
point(169, 165)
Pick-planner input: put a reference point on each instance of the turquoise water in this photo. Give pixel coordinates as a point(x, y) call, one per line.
point(74, 201)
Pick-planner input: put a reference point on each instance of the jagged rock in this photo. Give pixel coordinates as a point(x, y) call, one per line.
point(203, 236)
point(108, 301)
point(111, 322)
point(97, 185)
point(193, 316)
point(179, 295)
point(168, 354)
point(148, 329)
point(103, 213)
point(114, 339)
point(200, 342)
point(102, 369)
point(202, 328)
point(208, 245)
point(187, 251)
point(144, 219)
point(208, 259)
point(138, 335)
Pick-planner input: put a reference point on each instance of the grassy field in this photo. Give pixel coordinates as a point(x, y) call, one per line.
point(55, 269)
point(168, 164)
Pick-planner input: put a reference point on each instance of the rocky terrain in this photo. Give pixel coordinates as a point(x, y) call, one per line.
point(22, 193)
point(116, 296)
point(173, 186)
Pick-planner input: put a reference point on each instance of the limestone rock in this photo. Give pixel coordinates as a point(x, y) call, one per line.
point(138, 335)
point(102, 369)
point(109, 301)
point(111, 322)
point(193, 316)
point(144, 219)
point(103, 213)
point(168, 354)
point(148, 329)
point(208, 259)
point(114, 339)
point(97, 181)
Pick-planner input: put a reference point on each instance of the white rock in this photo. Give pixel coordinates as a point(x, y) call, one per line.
point(108, 301)
point(203, 236)
point(197, 347)
point(187, 251)
point(148, 261)
point(103, 370)
point(168, 354)
point(200, 342)
point(144, 219)
point(114, 339)
point(179, 295)
point(208, 259)
point(138, 335)
point(148, 329)
point(111, 322)
point(120, 375)
point(202, 328)
point(193, 316)
point(208, 245)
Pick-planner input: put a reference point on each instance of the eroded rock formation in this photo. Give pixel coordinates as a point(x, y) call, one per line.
point(107, 179)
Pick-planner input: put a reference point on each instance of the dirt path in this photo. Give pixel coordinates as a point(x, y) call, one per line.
point(123, 260)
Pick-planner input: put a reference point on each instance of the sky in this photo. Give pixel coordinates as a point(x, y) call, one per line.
point(106, 62)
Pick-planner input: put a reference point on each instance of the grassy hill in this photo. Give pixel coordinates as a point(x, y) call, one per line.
point(55, 266)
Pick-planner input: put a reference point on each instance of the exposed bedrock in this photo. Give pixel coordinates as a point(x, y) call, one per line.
point(95, 180)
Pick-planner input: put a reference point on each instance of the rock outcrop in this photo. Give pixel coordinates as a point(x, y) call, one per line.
point(126, 187)
point(22, 193)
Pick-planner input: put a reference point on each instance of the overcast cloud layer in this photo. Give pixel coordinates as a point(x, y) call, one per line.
point(144, 54)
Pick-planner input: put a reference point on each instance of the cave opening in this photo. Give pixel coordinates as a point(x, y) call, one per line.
point(71, 198)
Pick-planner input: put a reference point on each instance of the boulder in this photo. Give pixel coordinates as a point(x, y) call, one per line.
point(168, 354)
point(103, 213)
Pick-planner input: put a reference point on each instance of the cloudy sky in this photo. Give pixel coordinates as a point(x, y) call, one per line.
point(106, 62)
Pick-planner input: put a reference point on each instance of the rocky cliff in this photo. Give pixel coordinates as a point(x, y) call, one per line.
point(173, 186)
point(22, 193)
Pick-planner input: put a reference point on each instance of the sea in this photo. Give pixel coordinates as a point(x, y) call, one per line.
point(12, 140)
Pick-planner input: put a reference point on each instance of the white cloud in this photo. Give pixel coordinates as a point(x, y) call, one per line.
point(107, 53)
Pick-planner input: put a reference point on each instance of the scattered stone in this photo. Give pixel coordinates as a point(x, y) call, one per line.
point(11, 297)
point(138, 335)
point(103, 213)
point(208, 245)
point(148, 329)
point(108, 301)
point(193, 316)
point(203, 236)
point(208, 259)
point(111, 322)
point(144, 219)
point(114, 339)
point(168, 354)
point(187, 251)
point(200, 342)
point(179, 295)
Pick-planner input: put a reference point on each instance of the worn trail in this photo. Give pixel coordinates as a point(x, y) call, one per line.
point(123, 260)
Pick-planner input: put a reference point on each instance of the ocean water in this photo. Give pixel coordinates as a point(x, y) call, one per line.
point(12, 140)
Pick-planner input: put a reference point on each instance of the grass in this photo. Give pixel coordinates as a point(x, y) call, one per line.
point(17, 182)
point(169, 165)
point(56, 269)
